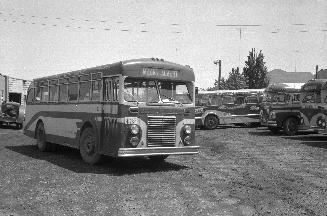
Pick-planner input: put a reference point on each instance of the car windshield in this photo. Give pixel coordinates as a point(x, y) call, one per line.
point(275, 97)
point(154, 91)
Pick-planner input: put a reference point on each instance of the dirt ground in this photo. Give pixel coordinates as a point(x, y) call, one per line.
point(239, 171)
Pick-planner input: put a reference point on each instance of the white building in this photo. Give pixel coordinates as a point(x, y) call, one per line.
point(13, 89)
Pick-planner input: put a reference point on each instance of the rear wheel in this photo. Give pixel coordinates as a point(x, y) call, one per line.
point(290, 126)
point(41, 140)
point(88, 146)
point(211, 122)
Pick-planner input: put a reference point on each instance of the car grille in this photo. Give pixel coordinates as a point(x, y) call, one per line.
point(161, 131)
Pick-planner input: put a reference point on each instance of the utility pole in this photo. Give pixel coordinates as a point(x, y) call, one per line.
point(316, 71)
point(219, 74)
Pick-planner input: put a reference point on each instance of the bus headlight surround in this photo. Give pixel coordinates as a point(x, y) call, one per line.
point(187, 129)
point(135, 129)
point(134, 141)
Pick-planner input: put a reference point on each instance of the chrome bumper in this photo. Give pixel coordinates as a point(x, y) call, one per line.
point(130, 152)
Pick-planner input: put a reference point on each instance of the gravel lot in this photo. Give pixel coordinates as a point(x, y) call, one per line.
point(239, 171)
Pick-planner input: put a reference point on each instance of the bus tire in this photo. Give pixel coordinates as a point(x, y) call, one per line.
point(290, 126)
point(41, 138)
point(158, 158)
point(88, 146)
point(274, 130)
point(211, 122)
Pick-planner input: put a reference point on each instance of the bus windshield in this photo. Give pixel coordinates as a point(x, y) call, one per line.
point(155, 91)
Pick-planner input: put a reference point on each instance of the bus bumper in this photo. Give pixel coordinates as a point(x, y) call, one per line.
point(131, 152)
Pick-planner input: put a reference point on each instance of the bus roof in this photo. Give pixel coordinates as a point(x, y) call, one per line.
point(276, 88)
point(143, 68)
point(313, 85)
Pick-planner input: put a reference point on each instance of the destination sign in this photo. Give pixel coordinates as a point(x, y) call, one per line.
point(155, 72)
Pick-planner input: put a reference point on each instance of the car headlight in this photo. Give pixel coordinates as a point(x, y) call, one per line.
point(135, 129)
point(187, 140)
point(272, 115)
point(134, 141)
point(187, 129)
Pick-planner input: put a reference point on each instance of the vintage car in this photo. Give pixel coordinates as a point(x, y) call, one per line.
point(12, 113)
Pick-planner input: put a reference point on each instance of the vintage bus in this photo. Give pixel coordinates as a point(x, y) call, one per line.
point(313, 100)
point(280, 109)
point(239, 107)
point(141, 107)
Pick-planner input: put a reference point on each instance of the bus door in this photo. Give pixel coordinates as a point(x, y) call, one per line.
point(111, 122)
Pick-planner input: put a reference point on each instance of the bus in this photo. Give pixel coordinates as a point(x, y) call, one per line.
point(280, 109)
point(313, 100)
point(139, 107)
point(238, 107)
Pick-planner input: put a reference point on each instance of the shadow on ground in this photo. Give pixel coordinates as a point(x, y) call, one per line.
point(70, 159)
point(314, 140)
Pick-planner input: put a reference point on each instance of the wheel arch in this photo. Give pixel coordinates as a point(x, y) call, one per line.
point(210, 112)
point(87, 124)
point(37, 124)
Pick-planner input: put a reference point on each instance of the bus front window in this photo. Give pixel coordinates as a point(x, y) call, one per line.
point(175, 91)
point(136, 90)
point(140, 91)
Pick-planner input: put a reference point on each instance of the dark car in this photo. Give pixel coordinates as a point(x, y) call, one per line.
point(12, 113)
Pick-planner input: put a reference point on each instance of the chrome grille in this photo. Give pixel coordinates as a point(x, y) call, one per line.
point(161, 131)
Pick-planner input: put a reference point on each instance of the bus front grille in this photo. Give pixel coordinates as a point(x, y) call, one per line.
point(161, 131)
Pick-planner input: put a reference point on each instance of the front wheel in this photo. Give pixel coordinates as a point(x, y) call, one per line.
point(290, 126)
point(211, 122)
point(41, 140)
point(88, 146)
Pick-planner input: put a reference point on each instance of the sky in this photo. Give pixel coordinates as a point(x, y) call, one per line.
point(46, 37)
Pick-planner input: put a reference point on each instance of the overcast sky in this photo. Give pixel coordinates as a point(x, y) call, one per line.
point(45, 37)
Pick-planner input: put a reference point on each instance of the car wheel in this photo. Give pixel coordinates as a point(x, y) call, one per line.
point(290, 126)
point(211, 122)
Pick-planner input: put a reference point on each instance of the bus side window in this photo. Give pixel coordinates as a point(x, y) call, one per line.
point(96, 88)
point(63, 92)
point(38, 94)
point(30, 95)
point(84, 91)
point(107, 90)
point(116, 89)
point(45, 94)
point(53, 93)
point(72, 91)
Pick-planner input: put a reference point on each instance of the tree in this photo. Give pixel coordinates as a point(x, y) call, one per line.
point(235, 80)
point(255, 72)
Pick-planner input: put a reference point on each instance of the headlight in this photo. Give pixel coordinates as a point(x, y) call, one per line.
point(187, 140)
point(272, 115)
point(135, 129)
point(187, 129)
point(134, 141)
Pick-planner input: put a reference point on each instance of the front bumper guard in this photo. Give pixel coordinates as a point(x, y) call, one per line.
point(153, 151)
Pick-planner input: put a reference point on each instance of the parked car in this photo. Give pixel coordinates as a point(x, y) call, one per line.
point(12, 113)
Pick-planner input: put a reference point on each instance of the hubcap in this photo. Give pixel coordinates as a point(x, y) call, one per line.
point(89, 144)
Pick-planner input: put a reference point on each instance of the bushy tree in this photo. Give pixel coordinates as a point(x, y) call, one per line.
point(255, 72)
point(235, 80)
